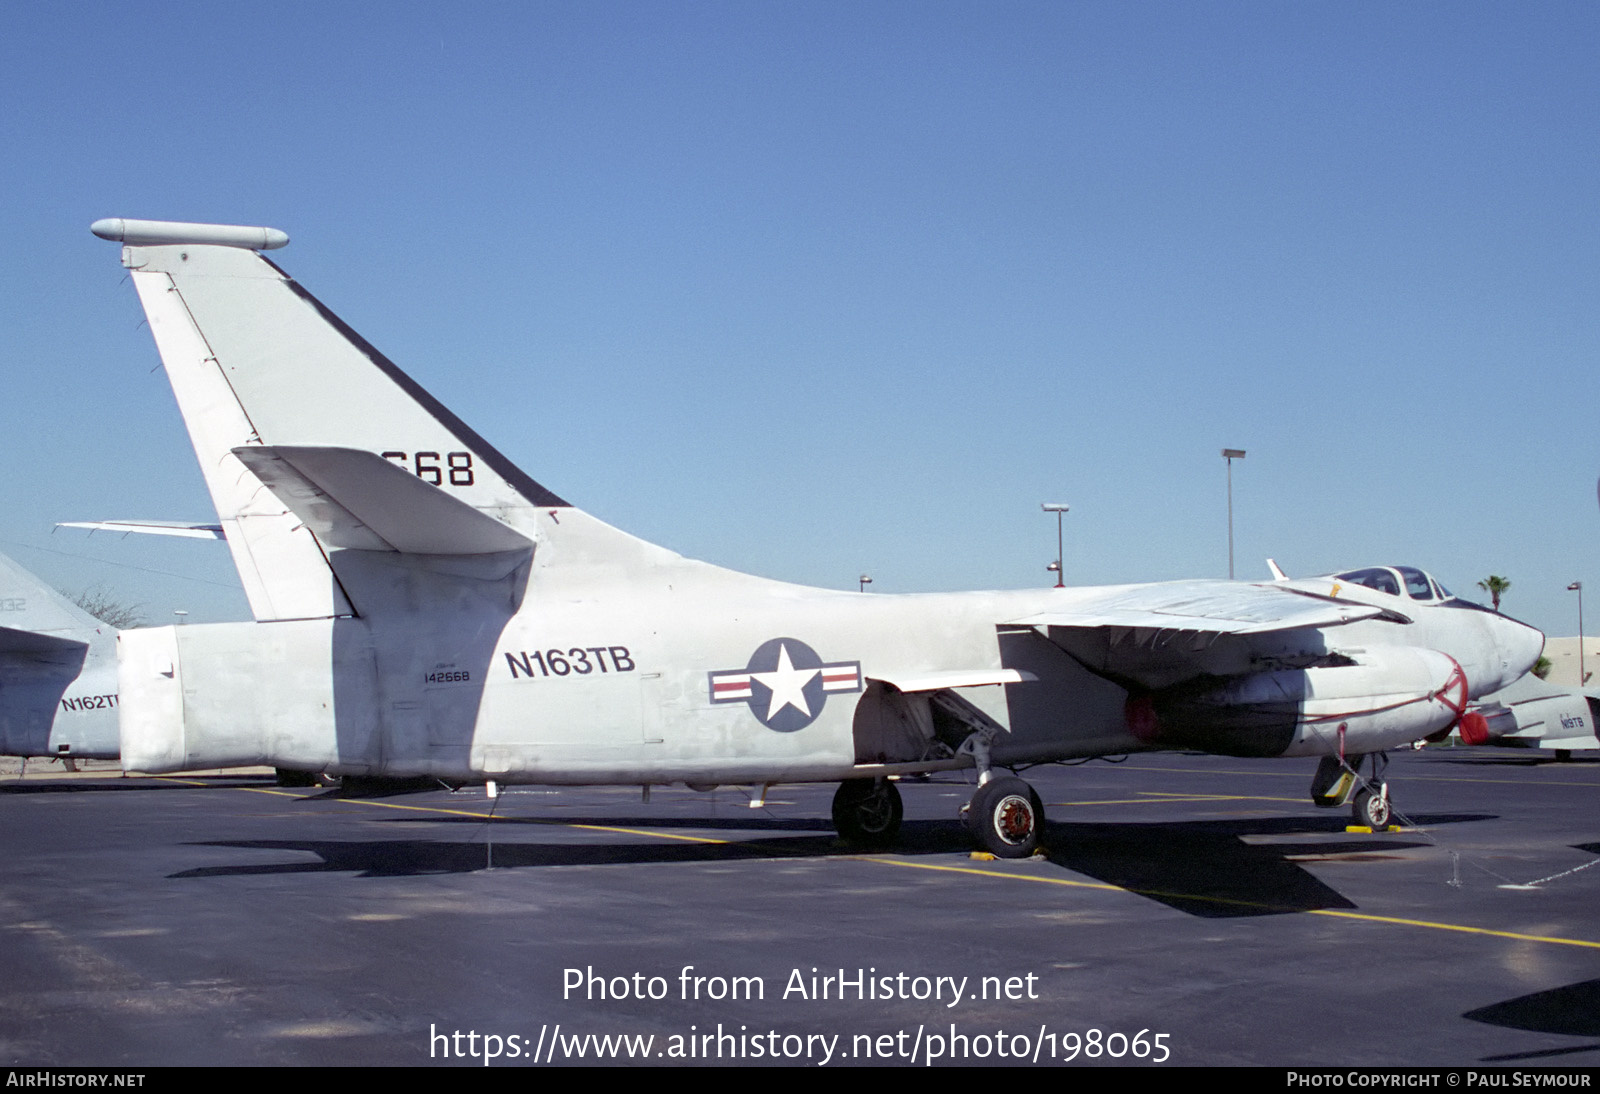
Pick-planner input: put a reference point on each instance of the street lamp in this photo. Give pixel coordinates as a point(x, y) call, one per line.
point(865, 581)
point(1231, 454)
point(1058, 508)
point(1577, 587)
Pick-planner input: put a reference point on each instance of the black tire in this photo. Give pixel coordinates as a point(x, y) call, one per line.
point(867, 812)
point(288, 777)
point(1372, 810)
point(1563, 755)
point(1007, 817)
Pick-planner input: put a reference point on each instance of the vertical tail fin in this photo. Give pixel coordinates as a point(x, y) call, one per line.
point(255, 359)
point(28, 604)
point(58, 672)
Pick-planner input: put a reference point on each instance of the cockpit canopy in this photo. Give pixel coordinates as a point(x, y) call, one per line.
point(1392, 579)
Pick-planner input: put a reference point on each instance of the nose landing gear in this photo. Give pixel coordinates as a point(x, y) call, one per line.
point(1339, 782)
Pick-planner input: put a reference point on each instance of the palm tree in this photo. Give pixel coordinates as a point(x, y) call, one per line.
point(1495, 587)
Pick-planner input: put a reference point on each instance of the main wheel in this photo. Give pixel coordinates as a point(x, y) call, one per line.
point(867, 812)
point(1007, 817)
point(1371, 809)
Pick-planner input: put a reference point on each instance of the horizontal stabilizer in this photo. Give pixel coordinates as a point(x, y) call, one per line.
point(16, 641)
point(149, 528)
point(354, 499)
point(937, 681)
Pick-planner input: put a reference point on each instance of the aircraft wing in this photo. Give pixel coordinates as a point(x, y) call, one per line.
point(356, 499)
point(1155, 636)
point(1202, 608)
point(149, 527)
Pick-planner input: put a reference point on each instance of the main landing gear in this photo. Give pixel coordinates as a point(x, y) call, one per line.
point(1005, 814)
point(867, 812)
point(1340, 782)
point(1007, 817)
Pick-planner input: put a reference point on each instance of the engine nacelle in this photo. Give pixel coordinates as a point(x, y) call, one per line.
point(1380, 698)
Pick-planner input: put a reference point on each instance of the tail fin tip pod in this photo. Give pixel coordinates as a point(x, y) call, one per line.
point(152, 233)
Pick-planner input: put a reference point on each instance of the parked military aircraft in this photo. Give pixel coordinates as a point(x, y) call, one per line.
point(58, 673)
point(425, 608)
point(1533, 714)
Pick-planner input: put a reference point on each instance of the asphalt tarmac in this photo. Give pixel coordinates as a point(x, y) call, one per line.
point(1192, 909)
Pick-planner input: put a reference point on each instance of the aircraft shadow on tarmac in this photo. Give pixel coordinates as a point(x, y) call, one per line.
point(1573, 1010)
point(1203, 868)
point(114, 783)
point(1207, 869)
point(1516, 759)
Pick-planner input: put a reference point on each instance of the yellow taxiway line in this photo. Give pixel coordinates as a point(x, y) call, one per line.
point(885, 860)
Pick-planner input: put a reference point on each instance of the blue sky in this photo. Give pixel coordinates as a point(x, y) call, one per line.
point(812, 289)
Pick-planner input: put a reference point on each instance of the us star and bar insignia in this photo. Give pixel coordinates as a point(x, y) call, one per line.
point(785, 684)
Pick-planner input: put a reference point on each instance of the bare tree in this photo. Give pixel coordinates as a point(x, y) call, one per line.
point(99, 602)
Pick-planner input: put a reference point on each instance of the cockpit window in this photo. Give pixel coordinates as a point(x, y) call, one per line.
point(1444, 594)
point(1418, 587)
point(1376, 578)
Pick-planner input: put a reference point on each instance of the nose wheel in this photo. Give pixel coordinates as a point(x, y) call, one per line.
point(1371, 808)
point(1007, 817)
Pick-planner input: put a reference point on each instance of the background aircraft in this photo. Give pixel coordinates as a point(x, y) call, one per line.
point(58, 673)
point(1533, 714)
point(425, 608)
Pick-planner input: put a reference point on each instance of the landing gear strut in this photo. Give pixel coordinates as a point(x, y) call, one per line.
point(867, 812)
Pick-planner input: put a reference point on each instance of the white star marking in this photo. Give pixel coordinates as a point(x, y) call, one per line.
point(787, 684)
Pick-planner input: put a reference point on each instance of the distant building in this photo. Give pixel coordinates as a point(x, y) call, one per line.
point(1563, 654)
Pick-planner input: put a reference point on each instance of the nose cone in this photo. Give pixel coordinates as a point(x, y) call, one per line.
point(1519, 646)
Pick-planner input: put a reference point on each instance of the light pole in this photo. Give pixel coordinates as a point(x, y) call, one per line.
point(1577, 587)
point(1058, 508)
point(1231, 454)
point(865, 581)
